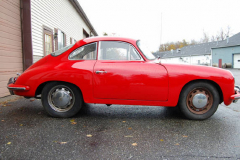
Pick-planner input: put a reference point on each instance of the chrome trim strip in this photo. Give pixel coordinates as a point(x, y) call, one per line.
point(16, 88)
point(235, 101)
point(98, 72)
point(237, 88)
point(237, 97)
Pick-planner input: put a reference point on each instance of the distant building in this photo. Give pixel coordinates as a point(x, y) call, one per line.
point(199, 54)
point(206, 53)
point(32, 29)
point(227, 52)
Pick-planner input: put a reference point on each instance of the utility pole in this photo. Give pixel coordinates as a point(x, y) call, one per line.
point(161, 31)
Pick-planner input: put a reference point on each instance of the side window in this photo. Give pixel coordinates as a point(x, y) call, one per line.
point(113, 50)
point(61, 39)
point(87, 52)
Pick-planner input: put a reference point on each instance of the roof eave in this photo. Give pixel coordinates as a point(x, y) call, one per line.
point(226, 46)
point(80, 11)
point(187, 55)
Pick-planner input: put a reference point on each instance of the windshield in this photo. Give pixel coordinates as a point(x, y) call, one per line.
point(145, 50)
point(62, 50)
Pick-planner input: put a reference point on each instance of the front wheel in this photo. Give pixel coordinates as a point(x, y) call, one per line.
point(199, 101)
point(61, 99)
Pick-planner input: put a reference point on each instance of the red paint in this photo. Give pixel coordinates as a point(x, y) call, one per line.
point(125, 82)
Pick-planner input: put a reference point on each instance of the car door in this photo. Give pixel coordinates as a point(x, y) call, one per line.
point(121, 73)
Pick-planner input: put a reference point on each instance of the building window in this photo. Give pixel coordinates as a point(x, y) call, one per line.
point(47, 40)
point(61, 39)
point(48, 44)
point(72, 40)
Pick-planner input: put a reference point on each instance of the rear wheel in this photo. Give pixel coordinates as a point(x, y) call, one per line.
point(199, 101)
point(61, 99)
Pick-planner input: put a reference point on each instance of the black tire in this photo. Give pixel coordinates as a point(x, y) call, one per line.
point(52, 102)
point(187, 102)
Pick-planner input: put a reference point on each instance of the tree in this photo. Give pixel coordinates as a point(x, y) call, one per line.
point(193, 42)
point(205, 38)
point(213, 38)
point(105, 34)
point(228, 31)
point(183, 43)
point(173, 45)
point(222, 34)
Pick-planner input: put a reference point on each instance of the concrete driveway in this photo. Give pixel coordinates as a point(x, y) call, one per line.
point(117, 132)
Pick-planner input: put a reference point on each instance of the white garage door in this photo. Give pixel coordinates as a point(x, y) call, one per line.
point(10, 43)
point(236, 59)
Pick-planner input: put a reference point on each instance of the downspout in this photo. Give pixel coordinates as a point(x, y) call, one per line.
point(211, 58)
point(26, 33)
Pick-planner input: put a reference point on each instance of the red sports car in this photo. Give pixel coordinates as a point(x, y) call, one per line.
point(114, 70)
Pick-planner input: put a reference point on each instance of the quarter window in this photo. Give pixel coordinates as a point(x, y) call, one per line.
point(87, 52)
point(112, 50)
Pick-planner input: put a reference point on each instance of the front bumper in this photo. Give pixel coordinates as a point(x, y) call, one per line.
point(236, 96)
point(14, 87)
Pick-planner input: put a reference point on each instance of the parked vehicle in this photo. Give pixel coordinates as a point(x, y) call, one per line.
point(114, 70)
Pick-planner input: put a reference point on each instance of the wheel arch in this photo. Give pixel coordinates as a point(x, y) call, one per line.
point(42, 85)
point(206, 81)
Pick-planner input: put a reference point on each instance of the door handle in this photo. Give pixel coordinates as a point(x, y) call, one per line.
point(98, 72)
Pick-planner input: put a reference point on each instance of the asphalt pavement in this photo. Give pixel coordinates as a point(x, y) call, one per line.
point(117, 132)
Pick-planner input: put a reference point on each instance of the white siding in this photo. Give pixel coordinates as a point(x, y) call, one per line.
point(195, 60)
point(58, 14)
point(10, 43)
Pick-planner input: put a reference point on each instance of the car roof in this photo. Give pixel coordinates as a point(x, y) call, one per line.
point(107, 38)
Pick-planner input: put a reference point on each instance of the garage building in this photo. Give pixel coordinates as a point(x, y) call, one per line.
point(227, 52)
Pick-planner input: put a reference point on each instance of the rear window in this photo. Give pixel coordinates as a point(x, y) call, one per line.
point(60, 51)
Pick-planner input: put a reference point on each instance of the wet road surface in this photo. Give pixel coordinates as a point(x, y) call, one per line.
point(117, 132)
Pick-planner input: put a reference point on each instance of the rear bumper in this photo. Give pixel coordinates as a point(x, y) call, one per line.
point(236, 96)
point(14, 87)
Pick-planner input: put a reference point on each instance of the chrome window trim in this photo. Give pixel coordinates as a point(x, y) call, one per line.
point(99, 46)
point(84, 59)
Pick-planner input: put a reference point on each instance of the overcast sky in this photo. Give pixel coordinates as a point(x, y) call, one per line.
point(181, 19)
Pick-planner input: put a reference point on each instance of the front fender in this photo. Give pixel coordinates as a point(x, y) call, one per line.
point(180, 75)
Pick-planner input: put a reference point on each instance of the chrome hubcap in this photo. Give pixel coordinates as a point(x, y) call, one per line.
point(200, 100)
point(61, 98)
